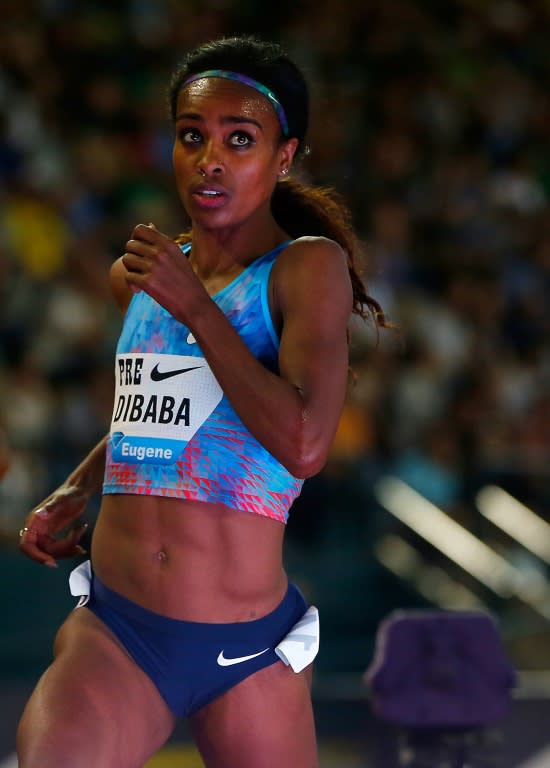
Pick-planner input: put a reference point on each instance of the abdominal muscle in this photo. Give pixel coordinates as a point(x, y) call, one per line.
point(189, 560)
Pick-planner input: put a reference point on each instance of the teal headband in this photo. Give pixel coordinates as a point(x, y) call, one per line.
point(246, 81)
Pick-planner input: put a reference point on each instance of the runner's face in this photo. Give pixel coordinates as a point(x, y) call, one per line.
point(227, 152)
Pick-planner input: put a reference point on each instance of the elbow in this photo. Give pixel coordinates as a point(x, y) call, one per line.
point(306, 468)
point(306, 459)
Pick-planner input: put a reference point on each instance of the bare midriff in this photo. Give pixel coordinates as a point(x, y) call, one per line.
point(189, 560)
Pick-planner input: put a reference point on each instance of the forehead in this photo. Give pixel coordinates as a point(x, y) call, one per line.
point(217, 95)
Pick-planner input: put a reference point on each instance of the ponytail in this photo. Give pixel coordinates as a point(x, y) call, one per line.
point(321, 211)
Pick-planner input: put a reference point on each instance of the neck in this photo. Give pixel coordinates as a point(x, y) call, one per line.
point(220, 251)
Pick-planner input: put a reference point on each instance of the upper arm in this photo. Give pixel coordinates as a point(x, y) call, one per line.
point(120, 288)
point(312, 294)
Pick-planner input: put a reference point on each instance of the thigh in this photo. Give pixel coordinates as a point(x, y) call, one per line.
point(93, 706)
point(266, 721)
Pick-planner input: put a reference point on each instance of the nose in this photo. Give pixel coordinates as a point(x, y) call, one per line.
point(209, 163)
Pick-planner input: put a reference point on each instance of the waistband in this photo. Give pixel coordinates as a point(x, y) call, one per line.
point(293, 601)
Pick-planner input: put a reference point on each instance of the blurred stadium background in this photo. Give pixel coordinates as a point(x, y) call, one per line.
point(433, 119)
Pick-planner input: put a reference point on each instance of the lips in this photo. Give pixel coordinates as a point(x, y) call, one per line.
point(209, 195)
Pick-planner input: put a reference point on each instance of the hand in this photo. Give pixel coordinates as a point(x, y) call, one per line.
point(37, 536)
point(156, 265)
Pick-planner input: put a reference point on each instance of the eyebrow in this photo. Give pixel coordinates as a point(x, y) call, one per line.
point(227, 119)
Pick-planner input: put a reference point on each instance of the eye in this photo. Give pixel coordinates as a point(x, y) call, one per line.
point(241, 139)
point(189, 136)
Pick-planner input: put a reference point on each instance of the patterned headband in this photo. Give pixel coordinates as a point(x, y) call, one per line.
point(246, 81)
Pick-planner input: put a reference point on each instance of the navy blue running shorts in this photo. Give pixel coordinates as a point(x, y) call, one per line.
point(192, 663)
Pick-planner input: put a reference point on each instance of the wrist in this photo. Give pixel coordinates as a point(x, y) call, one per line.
point(76, 487)
point(195, 309)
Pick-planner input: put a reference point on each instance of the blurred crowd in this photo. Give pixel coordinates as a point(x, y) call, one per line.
point(432, 119)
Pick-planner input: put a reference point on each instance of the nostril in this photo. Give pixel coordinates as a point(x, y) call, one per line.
point(209, 169)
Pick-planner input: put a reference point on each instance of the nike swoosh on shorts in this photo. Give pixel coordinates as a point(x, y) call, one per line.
point(157, 375)
point(223, 662)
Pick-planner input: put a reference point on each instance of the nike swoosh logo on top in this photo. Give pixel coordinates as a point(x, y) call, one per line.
point(223, 662)
point(157, 375)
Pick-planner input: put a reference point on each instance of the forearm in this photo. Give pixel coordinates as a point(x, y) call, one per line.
point(271, 408)
point(88, 475)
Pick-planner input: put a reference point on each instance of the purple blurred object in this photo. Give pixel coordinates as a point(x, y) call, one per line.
point(439, 669)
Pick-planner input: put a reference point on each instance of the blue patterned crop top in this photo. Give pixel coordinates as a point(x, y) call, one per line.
point(173, 431)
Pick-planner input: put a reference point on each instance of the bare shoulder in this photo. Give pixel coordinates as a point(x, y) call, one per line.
point(309, 251)
point(312, 265)
point(119, 286)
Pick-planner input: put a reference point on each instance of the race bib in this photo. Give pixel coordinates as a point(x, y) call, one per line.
point(160, 402)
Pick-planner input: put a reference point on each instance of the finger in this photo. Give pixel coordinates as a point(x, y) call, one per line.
point(55, 516)
point(150, 235)
point(37, 543)
point(30, 546)
point(38, 522)
point(138, 252)
point(78, 532)
point(134, 281)
point(36, 527)
point(146, 232)
point(134, 288)
point(59, 548)
point(135, 264)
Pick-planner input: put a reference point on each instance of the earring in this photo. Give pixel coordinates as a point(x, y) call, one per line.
point(284, 171)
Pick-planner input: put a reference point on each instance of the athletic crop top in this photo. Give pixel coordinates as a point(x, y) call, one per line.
point(173, 431)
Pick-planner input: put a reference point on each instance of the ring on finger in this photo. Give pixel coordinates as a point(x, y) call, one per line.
point(23, 531)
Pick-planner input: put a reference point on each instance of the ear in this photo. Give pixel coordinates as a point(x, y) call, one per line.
point(287, 151)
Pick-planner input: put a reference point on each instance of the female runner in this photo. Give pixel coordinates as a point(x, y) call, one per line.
point(231, 373)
